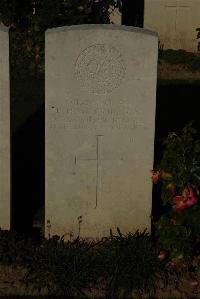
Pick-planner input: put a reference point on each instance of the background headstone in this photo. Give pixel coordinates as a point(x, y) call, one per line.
point(175, 21)
point(4, 130)
point(100, 114)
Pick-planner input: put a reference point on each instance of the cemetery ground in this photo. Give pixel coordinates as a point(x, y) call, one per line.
point(136, 265)
point(117, 267)
point(178, 65)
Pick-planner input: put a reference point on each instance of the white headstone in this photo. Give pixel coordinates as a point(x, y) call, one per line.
point(4, 130)
point(100, 113)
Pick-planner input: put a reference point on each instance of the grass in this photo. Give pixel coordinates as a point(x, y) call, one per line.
point(121, 266)
point(117, 264)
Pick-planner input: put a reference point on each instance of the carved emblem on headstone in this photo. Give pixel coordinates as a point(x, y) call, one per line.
point(100, 69)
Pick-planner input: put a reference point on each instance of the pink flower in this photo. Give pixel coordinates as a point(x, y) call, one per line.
point(181, 206)
point(155, 177)
point(191, 201)
point(186, 200)
point(178, 198)
point(191, 197)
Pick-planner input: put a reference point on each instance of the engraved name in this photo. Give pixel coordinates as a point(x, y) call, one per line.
point(79, 114)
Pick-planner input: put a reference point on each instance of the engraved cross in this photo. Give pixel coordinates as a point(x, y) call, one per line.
point(177, 6)
point(98, 161)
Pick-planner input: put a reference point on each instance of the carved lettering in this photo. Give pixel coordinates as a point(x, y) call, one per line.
point(79, 114)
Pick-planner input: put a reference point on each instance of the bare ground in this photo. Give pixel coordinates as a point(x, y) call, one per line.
point(169, 71)
point(12, 284)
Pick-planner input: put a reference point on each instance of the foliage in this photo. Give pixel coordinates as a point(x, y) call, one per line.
point(198, 37)
point(179, 172)
point(181, 159)
point(28, 21)
point(176, 239)
point(118, 263)
point(130, 263)
point(13, 248)
point(62, 268)
point(42, 14)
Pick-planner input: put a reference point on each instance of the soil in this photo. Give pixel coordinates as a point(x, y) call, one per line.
point(180, 71)
point(12, 284)
point(11, 281)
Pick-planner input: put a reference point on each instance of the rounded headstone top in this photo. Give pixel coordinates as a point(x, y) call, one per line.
point(103, 27)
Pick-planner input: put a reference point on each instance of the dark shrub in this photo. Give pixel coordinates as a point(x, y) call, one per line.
point(64, 268)
point(13, 248)
point(130, 262)
point(123, 263)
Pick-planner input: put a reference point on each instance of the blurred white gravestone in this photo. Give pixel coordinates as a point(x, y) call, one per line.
point(100, 114)
point(4, 130)
point(175, 21)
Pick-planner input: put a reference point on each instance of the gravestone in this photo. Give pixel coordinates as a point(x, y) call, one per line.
point(100, 113)
point(4, 130)
point(175, 21)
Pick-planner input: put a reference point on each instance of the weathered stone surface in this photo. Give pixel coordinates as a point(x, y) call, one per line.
point(100, 113)
point(4, 130)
